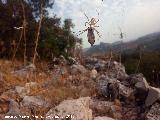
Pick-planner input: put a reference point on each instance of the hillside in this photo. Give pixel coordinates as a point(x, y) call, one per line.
point(150, 42)
point(97, 90)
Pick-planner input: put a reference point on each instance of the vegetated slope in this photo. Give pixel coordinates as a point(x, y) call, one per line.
point(149, 43)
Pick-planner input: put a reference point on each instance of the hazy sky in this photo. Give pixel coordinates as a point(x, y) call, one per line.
point(135, 17)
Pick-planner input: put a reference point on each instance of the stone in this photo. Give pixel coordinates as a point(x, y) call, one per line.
point(25, 71)
point(101, 108)
point(116, 70)
point(78, 108)
point(23, 91)
point(72, 61)
point(4, 105)
point(103, 118)
point(154, 112)
point(125, 91)
point(142, 84)
point(153, 96)
point(78, 69)
point(14, 108)
point(35, 101)
point(93, 74)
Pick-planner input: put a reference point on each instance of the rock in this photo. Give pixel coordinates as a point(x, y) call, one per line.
point(153, 96)
point(78, 69)
point(11, 94)
point(78, 108)
point(125, 91)
point(24, 71)
point(141, 87)
point(23, 91)
point(35, 101)
point(103, 118)
point(72, 61)
point(93, 74)
point(108, 88)
point(154, 112)
point(101, 108)
point(14, 108)
point(4, 105)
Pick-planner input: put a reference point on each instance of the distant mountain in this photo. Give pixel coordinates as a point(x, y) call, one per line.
point(150, 42)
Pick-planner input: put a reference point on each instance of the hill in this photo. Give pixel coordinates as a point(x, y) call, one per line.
point(149, 43)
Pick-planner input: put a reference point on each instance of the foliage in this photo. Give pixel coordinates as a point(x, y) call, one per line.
point(149, 65)
point(55, 38)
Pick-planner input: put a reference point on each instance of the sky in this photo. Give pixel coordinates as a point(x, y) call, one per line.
point(135, 18)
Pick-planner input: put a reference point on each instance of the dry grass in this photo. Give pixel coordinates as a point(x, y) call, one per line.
point(59, 89)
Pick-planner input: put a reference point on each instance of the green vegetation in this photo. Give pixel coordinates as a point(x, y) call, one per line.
point(55, 38)
point(149, 65)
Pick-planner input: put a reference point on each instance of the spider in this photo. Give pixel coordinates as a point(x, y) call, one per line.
point(90, 29)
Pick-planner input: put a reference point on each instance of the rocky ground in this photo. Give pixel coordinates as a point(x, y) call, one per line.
point(66, 89)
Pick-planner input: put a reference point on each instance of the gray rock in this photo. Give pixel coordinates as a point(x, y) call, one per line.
point(24, 71)
point(78, 69)
point(116, 70)
point(79, 109)
point(35, 101)
point(125, 91)
point(154, 112)
point(153, 96)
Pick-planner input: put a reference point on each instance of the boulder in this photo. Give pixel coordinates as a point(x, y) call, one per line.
point(103, 118)
point(116, 70)
point(125, 91)
point(154, 112)
point(78, 109)
point(101, 108)
point(35, 101)
point(24, 71)
point(78, 69)
point(23, 91)
point(153, 96)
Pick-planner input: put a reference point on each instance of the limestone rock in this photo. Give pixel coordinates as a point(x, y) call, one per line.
point(78, 108)
point(153, 96)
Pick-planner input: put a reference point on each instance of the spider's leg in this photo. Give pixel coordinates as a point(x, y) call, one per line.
point(81, 32)
point(97, 32)
point(86, 16)
point(87, 23)
point(95, 26)
point(97, 21)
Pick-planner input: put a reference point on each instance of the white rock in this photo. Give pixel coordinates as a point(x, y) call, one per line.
point(93, 74)
point(21, 91)
point(103, 118)
point(153, 96)
point(78, 108)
